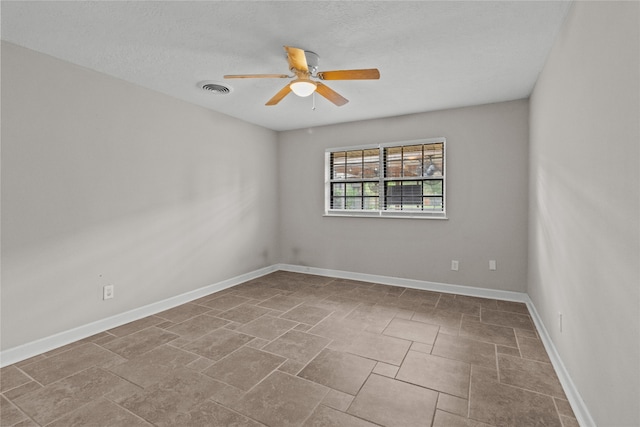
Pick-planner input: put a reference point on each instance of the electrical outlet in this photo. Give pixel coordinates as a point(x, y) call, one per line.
point(107, 292)
point(492, 264)
point(454, 265)
point(560, 321)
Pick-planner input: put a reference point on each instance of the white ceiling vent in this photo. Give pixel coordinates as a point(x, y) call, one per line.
point(215, 87)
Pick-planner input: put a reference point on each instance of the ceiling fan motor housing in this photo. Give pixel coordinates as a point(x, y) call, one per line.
point(312, 61)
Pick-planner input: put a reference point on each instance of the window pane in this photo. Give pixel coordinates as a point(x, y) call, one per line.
point(433, 204)
point(371, 169)
point(371, 203)
point(338, 189)
point(339, 171)
point(412, 160)
point(393, 162)
point(337, 165)
point(411, 193)
point(432, 187)
point(354, 164)
point(354, 189)
point(337, 203)
point(433, 165)
point(371, 188)
point(353, 202)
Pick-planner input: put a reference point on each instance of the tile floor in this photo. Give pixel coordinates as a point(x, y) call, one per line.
point(290, 349)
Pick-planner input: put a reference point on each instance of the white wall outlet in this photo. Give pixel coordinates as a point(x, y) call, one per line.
point(560, 321)
point(454, 264)
point(107, 292)
point(492, 264)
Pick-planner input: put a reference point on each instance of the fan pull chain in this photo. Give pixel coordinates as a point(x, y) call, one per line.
point(313, 101)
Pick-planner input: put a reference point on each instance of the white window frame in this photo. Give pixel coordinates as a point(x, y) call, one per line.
point(381, 212)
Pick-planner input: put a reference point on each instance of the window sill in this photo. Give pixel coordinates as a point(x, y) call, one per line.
point(378, 215)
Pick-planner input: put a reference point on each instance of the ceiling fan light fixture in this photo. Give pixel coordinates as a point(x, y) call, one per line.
point(302, 87)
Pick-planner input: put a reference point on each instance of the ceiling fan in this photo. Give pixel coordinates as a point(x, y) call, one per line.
point(304, 65)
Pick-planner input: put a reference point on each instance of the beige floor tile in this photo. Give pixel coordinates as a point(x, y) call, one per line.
point(259, 292)
point(445, 419)
point(530, 375)
point(336, 303)
point(140, 342)
point(508, 319)
point(487, 303)
point(281, 400)
point(509, 351)
point(385, 369)
point(504, 405)
point(424, 297)
point(197, 326)
point(437, 373)
point(153, 366)
point(412, 331)
point(298, 346)
point(453, 404)
point(244, 313)
point(514, 307)
point(392, 403)
point(337, 400)
point(569, 421)
point(16, 392)
point(307, 314)
point(291, 367)
point(489, 333)
point(371, 316)
point(62, 365)
point(338, 329)
point(212, 414)
point(449, 302)
point(183, 312)
point(281, 302)
point(12, 377)
point(61, 397)
point(379, 347)
point(245, 367)
point(422, 348)
point(324, 416)
point(564, 407)
point(340, 371)
point(532, 348)
point(164, 403)
point(135, 326)
point(102, 413)
point(465, 350)
point(448, 321)
point(9, 413)
point(218, 344)
point(267, 327)
point(225, 302)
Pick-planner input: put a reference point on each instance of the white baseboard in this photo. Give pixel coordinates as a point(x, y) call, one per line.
point(578, 405)
point(410, 283)
point(25, 351)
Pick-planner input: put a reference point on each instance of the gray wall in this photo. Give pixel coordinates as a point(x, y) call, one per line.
point(106, 182)
point(487, 201)
point(584, 207)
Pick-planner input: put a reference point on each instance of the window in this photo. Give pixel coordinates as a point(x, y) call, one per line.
point(396, 179)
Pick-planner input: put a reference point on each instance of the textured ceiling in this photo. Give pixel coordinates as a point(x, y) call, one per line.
point(431, 55)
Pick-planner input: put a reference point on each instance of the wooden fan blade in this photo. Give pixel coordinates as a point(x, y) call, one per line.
point(297, 59)
point(278, 96)
point(331, 94)
point(366, 74)
point(257, 76)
